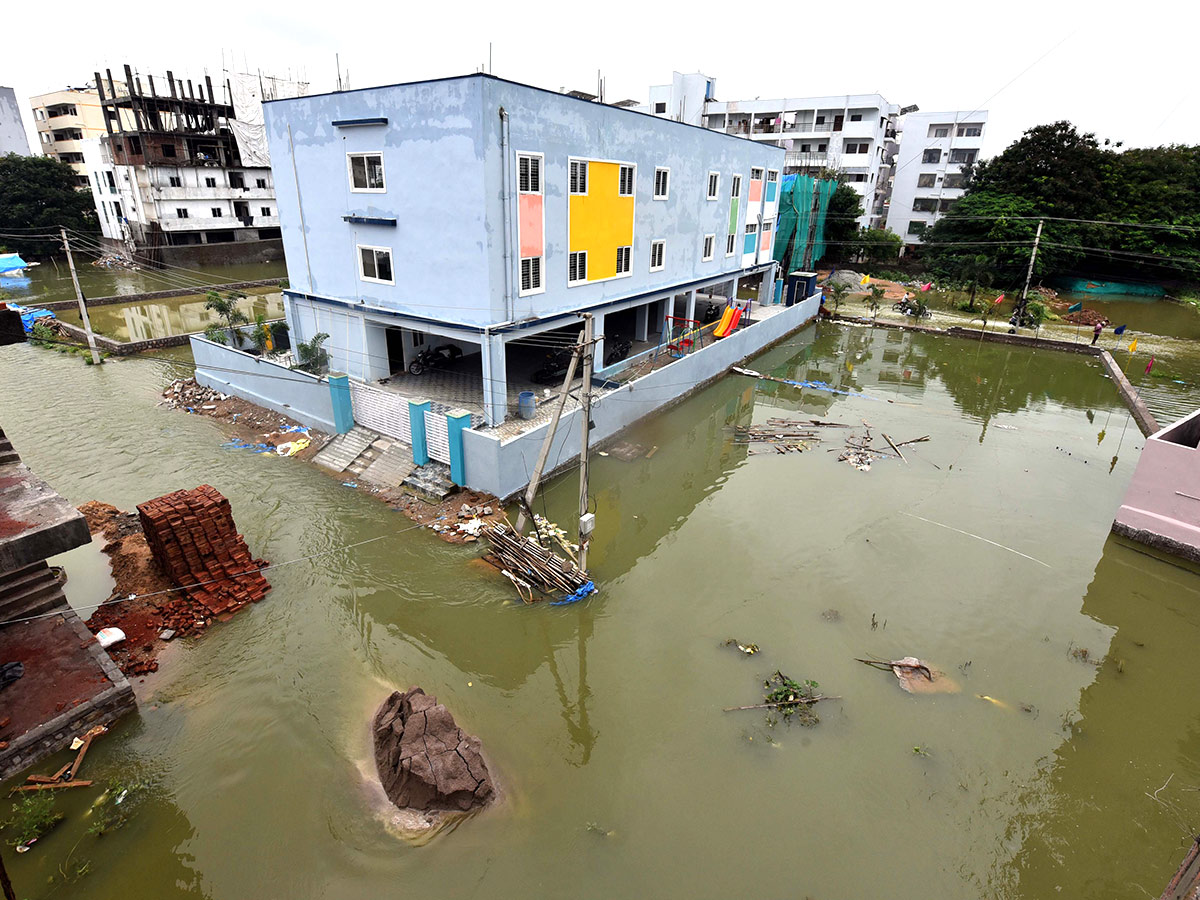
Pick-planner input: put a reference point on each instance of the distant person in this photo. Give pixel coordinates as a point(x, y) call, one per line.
point(1096, 331)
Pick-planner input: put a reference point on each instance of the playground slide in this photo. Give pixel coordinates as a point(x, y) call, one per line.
point(729, 323)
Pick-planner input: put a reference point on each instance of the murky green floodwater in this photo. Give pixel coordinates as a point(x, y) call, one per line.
point(52, 279)
point(161, 318)
point(255, 737)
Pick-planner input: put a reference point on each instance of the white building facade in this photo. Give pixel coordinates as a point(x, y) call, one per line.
point(848, 133)
point(935, 147)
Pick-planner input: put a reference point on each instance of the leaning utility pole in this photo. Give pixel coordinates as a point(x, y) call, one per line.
point(83, 313)
point(1033, 256)
point(587, 521)
point(5, 884)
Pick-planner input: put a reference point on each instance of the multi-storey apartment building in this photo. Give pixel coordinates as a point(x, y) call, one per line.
point(928, 179)
point(483, 213)
point(12, 129)
point(847, 133)
point(64, 120)
point(180, 167)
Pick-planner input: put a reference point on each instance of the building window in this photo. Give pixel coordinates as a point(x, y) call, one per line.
point(946, 204)
point(931, 157)
point(820, 120)
point(217, 212)
point(916, 227)
point(210, 182)
point(662, 183)
point(821, 148)
point(579, 176)
point(625, 181)
point(714, 185)
point(730, 244)
point(660, 108)
point(925, 204)
point(772, 176)
point(624, 258)
point(112, 182)
point(806, 148)
point(939, 131)
point(970, 131)
point(181, 213)
point(858, 176)
point(710, 241)
point(531, 274)
point(366, 172)
point(175, 181)
point(260, 183)
point(168, 149)
point(751, 228)
point(963, 156)
point(855, 117)
point(756, 174)
point(954, 181)
point(529, 173)
point(657, 255)
point(577, 267)
point(265, 210)
point(927, 180)
point(735, 190)
point(375, 264)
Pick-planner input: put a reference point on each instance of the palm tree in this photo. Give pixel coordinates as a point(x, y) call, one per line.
point(839, 292)
point(874, 302)
point(227, 310)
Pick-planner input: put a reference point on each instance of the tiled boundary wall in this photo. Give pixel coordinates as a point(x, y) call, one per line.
point(502, 468)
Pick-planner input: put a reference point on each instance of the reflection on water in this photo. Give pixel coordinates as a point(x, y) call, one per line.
point(162, 318)
point(609, 711)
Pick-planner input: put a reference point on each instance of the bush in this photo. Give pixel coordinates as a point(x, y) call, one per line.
point(216, 332)
point(32, 817)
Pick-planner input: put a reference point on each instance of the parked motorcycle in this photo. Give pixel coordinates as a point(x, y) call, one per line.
point(554, 367)
point(434, 358)
point(616, 350)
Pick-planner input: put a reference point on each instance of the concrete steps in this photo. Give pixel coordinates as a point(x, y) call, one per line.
point(29, 591)
point(431, 482)
point(341, 452)
point(393, 464)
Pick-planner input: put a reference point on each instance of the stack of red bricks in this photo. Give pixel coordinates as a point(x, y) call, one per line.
point(193, 539)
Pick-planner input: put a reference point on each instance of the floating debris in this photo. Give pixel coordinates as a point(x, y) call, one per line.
point(831, 615)
point(915, 675)
point(748, 649)
point(792, 699)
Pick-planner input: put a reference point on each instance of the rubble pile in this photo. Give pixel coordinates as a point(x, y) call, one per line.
point(425, 761)
point(191, 395)
point(192, 537)
point(1087, 317)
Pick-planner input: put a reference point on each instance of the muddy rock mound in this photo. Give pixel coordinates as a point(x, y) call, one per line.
point(425, 761)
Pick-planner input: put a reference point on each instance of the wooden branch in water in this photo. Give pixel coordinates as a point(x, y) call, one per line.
point(801, 701)
point(887, 666)
point(51, 787)
point(913, 441)
point(892, 444)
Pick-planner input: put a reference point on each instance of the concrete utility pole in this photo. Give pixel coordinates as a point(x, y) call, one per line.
point(83, 313)
point(1032, 257)
point(587, 521)
point(5, 883)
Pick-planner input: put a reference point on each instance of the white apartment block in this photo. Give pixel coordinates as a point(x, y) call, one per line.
point(928, 179)
point(849, 133)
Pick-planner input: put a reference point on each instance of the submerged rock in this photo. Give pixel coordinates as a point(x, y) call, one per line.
point(425, 761)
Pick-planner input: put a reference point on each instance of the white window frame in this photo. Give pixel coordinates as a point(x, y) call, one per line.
point(572, 163)
point(757, 169)
point(661, 247)
point(541, 166)
point(735, 188)
point(772, 176)
point(731, 244)
point(628, 272)
point(577, 281)
point(709, 248)
point(714, 186)
point(665, 195)
point(540, 288)
point(350, 172)
point(362, 275)
point(621, 167)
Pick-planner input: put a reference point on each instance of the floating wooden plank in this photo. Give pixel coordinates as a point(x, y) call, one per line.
point(51, 787)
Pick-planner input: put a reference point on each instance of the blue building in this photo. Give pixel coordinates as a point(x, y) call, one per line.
point(482, 213)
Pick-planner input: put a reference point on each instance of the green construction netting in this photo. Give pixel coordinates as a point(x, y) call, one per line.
point(795, 219)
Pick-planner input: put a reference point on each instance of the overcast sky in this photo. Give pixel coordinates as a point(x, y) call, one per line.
point(1121, 72)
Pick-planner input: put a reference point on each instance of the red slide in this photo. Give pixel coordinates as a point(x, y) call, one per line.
point(732, 324)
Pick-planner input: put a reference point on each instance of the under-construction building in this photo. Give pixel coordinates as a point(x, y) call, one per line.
point(181, 168)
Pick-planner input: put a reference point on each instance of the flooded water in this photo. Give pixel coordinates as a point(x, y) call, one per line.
point(52, 279)
point(161, 318)
point(988, 554)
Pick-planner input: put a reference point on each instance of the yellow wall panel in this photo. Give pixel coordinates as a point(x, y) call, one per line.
point(601, 220)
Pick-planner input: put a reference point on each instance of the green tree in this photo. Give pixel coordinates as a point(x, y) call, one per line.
point(39, 193)
point(974, 269)
point(845, 206)
point(312, 355)
point(874, 301)
point(839, 292)
point(226, 309)
point(876, 245)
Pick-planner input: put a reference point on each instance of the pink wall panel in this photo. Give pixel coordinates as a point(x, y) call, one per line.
point(764, 242)
point(755, 191)
point(529, 208)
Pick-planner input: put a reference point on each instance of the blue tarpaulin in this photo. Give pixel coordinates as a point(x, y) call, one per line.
point(29, 314)
point(11, 262)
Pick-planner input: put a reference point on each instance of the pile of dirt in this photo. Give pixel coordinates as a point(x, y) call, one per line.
point(425, 761)
point(254, 424)
point(1087, 317)
point(445, 517)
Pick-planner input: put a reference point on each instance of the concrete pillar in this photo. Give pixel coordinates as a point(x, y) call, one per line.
point(667, 311)
point(691, 304)
point(766, 295)
point(416, 424)
point(495, 379)
point(598, 331)
point(733, 288)
point(641, 322)
point(343, 408)
point(457, 421)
